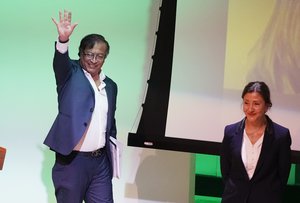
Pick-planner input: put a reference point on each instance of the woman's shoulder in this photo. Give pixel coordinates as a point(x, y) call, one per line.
point(279, 132)
point(277, 127)
point(239, 125)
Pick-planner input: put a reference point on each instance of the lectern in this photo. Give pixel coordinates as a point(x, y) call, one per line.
point(2, 157)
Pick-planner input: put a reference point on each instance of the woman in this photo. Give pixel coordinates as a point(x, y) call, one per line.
point(255, 152)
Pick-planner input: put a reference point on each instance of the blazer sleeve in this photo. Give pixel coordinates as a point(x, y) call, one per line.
point(285, 157)
point(225, 155)
point(62, 68)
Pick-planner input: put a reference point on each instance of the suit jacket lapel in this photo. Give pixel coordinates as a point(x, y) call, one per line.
point(265, 149)
point(109, 94)
point(238, 146)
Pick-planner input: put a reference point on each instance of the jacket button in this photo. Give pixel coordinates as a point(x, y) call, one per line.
point(91, 109)
point(85, 124)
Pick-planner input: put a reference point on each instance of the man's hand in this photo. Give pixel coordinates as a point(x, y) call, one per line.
point(64, 26)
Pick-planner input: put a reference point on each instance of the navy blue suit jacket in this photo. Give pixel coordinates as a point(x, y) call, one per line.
point(272, 170)
point(76, 103)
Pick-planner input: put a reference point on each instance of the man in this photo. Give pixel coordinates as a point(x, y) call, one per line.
point(86, 119)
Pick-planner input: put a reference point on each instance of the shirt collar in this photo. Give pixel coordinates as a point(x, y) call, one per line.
point(102, 76)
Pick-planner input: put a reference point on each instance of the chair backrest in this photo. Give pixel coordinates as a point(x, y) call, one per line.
point(2, 157)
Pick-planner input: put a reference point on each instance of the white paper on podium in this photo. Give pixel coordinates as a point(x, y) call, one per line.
point(116, 148)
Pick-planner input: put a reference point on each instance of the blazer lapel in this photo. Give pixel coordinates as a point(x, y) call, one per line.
point(265, 149)
point(238, 141)
point(109, 94)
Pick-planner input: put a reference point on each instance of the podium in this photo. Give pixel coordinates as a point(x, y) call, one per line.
point(2, 157)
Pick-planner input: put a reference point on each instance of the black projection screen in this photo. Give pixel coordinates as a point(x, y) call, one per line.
point(206, 51)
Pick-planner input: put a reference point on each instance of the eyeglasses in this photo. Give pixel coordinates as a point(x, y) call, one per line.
point(92, 56)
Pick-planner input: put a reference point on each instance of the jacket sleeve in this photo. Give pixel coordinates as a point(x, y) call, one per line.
point(225, 159)
point(62, 68)
point(285, 157)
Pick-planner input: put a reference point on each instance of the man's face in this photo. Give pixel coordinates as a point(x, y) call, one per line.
point(93, 59)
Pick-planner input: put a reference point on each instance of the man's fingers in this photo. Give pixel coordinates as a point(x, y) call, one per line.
point(54, 21)
point(69, 16)
point(60, 18)
point(74, 25)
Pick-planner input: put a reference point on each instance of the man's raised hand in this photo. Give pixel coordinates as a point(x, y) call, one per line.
point(64, 26)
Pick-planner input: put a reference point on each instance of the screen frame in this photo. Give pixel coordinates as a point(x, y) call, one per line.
point(152, 126)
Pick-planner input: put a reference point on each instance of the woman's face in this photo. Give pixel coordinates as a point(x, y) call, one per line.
point(254, 107)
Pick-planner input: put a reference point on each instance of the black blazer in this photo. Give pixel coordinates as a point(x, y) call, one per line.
point(272, 170)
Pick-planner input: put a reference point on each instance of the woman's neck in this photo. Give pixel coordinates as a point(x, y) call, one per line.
point(255, 130)
point(256, 124)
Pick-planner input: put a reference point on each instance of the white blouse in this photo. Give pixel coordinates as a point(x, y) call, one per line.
point(250, 153)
